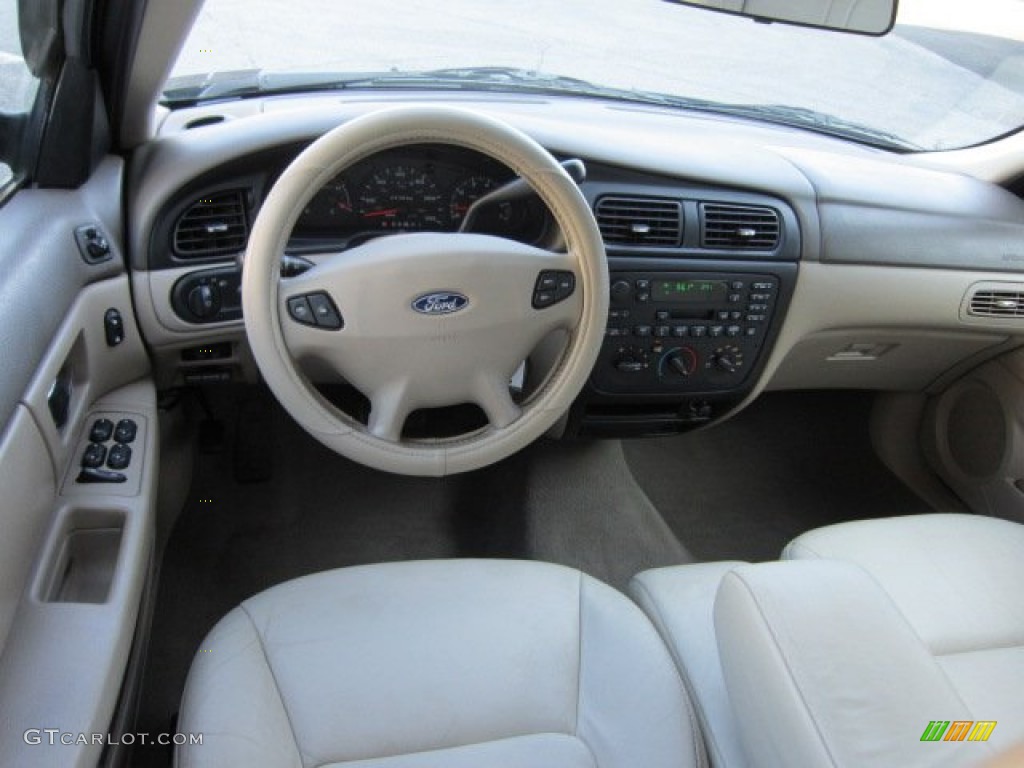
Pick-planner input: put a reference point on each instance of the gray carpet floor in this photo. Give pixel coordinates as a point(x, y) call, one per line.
point(739, 490)
point(790, 462)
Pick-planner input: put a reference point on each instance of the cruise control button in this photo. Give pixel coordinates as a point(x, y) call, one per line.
point(94, 455)
point(324, 313)
point(120, 456)
point(126, 431)
point(101, 430)
point(553, 286)
point(300, 310)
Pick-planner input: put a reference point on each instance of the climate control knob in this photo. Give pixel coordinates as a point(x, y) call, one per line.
point(678, 361)
point(727, 359)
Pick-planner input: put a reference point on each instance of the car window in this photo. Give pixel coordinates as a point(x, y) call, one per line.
point(17, 86)
point(951, 74)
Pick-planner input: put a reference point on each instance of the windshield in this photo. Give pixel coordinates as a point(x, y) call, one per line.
point(950, 74)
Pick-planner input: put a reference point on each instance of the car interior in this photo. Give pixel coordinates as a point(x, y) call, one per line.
point(481, 417)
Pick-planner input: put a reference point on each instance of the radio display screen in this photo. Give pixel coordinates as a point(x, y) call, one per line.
point(689, 291)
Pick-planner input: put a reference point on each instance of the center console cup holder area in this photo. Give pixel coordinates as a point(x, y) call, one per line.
point(82, 562)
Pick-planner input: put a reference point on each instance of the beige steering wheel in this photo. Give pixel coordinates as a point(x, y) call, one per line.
point(426, 320)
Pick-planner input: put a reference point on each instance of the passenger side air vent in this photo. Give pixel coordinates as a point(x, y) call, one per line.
point(647, 221)
point(738, 227)
point(997, 303)
point(214, 225)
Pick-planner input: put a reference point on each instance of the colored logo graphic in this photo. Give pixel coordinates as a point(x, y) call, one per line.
point(958, 730)
point(440, 303)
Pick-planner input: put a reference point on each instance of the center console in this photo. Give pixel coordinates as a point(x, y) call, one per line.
point(684, 344)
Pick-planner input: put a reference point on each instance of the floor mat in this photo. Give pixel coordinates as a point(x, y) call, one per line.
point(790, 462)
point(570, 503)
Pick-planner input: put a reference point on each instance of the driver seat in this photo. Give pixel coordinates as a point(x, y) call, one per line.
point(455, 663)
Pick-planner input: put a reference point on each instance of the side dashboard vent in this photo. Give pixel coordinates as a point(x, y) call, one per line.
point(739, 227)
point(993, 302)
point(649, 221)
point(214, 225)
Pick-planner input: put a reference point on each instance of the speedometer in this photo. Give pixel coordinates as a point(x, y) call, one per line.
point(402, 197)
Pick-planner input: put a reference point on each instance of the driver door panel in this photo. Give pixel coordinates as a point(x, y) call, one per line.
point(73, 557)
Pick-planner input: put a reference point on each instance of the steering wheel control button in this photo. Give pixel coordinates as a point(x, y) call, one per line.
point(315, 309)
point(94, 455)
point(325, 314)
point(552, 287)
point(119, 457)
point(300, 311)
point(101, 430)
point(126, 431)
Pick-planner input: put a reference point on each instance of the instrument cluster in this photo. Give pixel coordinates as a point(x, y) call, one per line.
point(426, 188)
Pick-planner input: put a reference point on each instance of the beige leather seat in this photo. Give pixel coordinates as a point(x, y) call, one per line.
point(449, 663)
point(844, 653)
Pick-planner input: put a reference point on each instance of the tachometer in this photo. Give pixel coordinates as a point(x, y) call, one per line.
point(330, 208)
point(401, 197)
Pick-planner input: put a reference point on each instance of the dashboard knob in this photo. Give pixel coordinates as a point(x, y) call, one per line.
point(681, 361)
point(203, 300)
point(620, 291)
point(727, 359)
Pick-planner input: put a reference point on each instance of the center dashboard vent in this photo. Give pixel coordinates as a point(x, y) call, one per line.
point(213, 225)
point(738, 227)
point(649, 221)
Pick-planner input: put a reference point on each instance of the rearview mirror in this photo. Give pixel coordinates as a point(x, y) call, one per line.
point(865, 17)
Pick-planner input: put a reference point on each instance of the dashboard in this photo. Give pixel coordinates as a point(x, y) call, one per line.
point(743, 257)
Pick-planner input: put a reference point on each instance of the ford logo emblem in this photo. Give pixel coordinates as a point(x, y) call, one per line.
point(440, 303)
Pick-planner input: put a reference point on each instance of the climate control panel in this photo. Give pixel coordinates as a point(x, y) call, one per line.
point(684, 333)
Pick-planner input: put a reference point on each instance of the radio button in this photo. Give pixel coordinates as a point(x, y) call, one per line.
point(681, 330)
point(751, 331)
point(737, 285)
point(643, 298)
point(722, 314)
point(643, 285)
point(642, 330)
point(734, 298)
point(698, 330)
point(661, 315)
point(735, 315)
point(732, 330)
point(715, 331)
point(758, 308)
point(662, 331)
point(755, 318)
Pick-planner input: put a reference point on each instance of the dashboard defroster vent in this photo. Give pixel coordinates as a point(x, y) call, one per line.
point(738, 227)
point(213, 225)
point(643, 221)
point(997, 303)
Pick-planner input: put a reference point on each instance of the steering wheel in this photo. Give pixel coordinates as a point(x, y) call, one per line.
point(426, 320)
